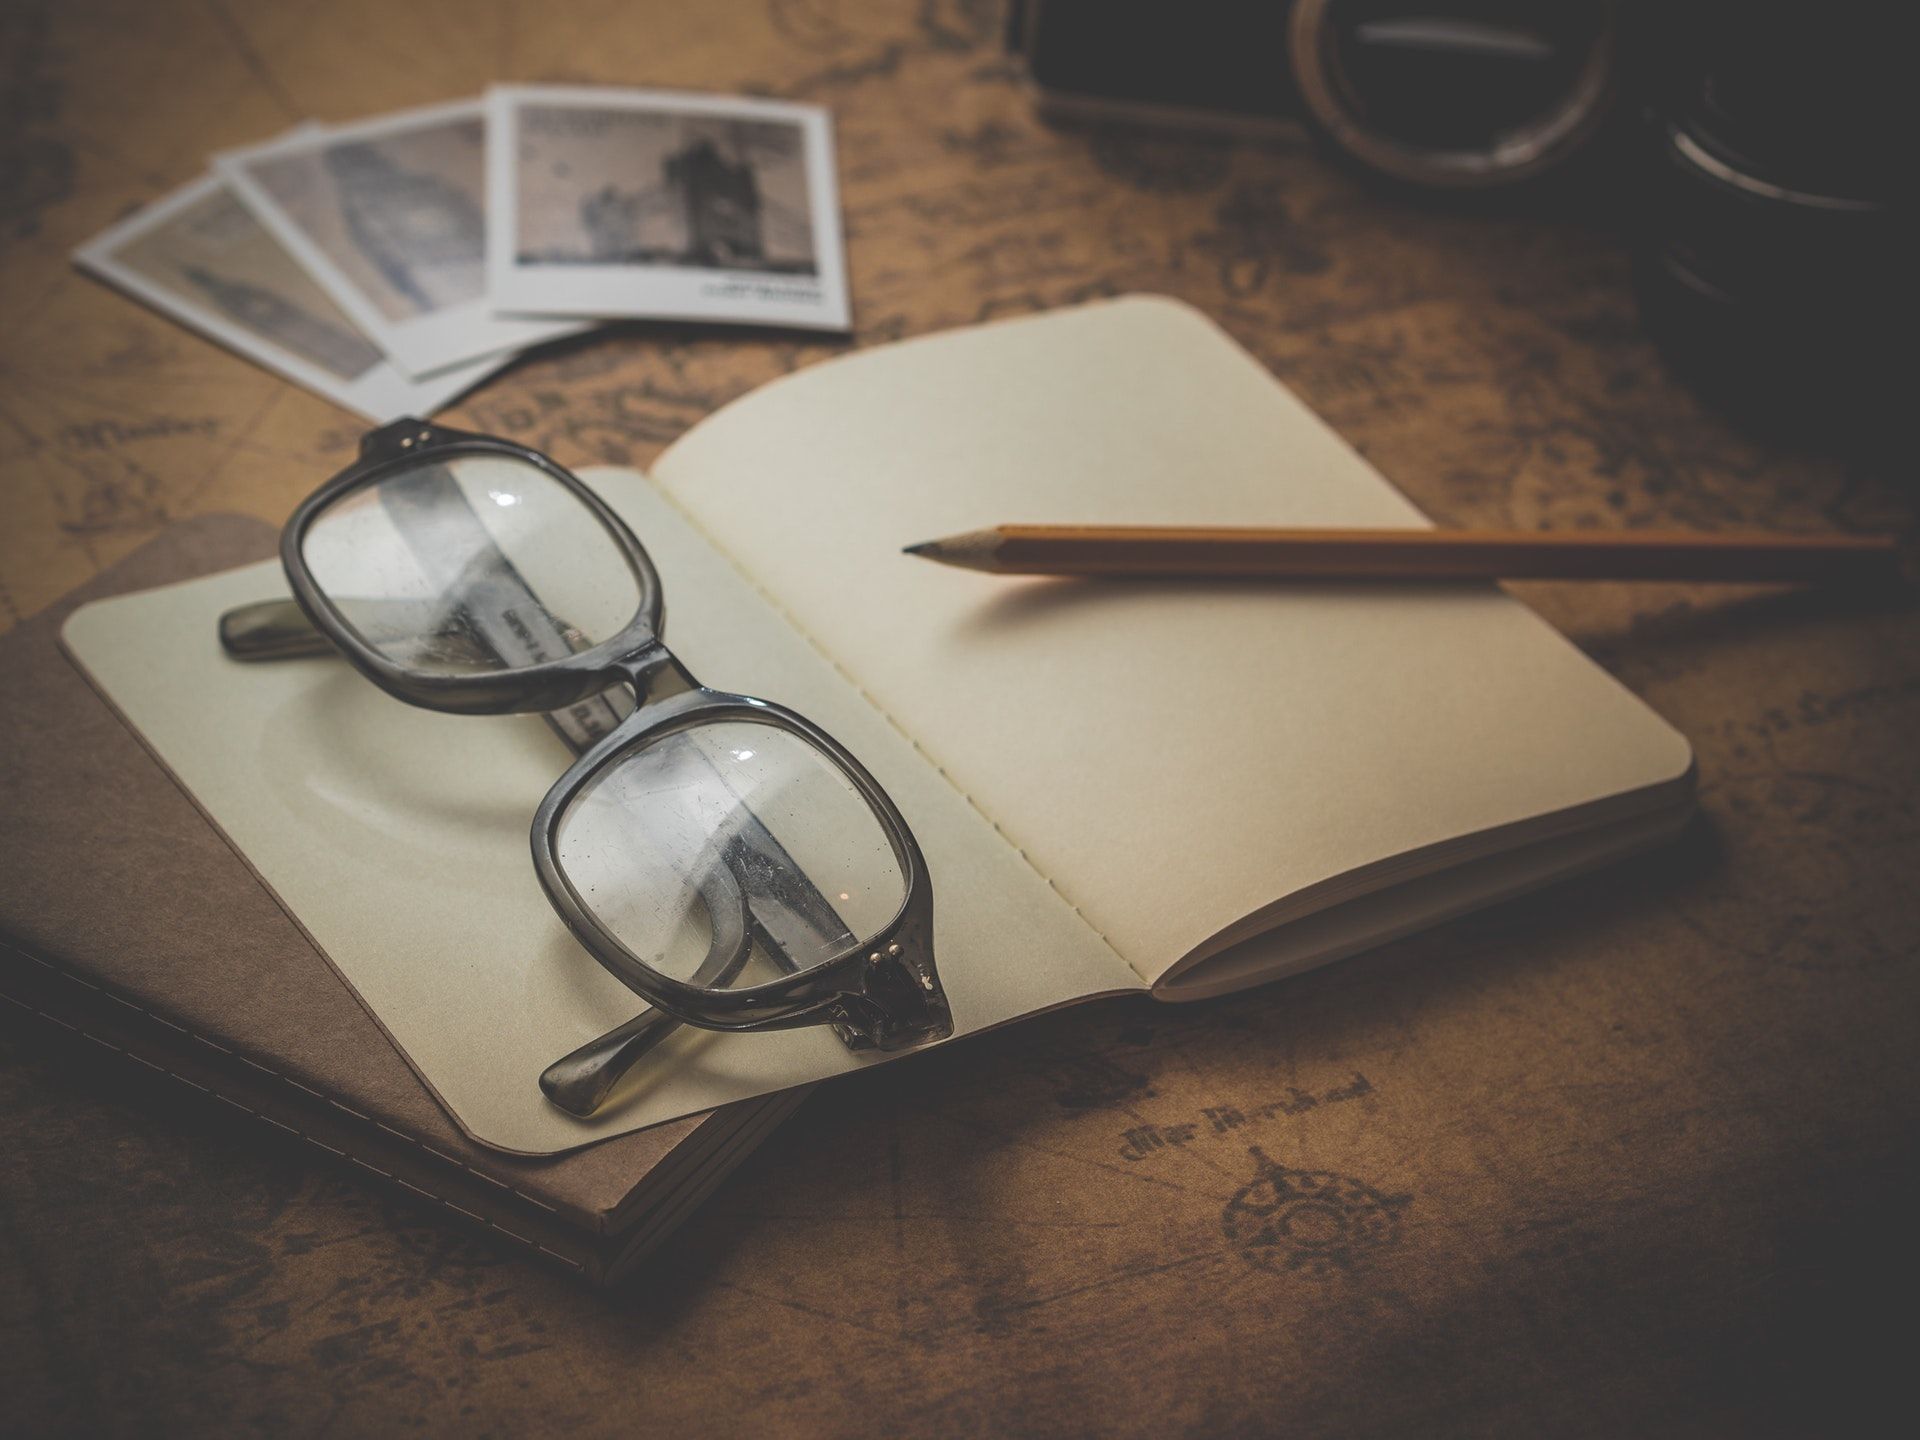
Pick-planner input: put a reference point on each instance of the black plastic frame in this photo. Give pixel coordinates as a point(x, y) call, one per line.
point(882, 992)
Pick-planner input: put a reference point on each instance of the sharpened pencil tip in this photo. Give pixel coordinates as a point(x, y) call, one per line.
point(972, 551)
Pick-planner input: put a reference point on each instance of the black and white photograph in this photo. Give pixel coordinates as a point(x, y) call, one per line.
point(389, 217)
point(200, 257)
point(691, 207)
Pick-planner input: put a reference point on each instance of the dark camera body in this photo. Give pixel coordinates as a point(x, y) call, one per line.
point(1757, 155)
point(1448, 96)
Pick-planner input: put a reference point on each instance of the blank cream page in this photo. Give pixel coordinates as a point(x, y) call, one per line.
point(1173, 756)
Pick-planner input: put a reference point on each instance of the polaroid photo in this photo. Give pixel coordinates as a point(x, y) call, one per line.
point(389, 217)
point(663, 205)
point(199, 257)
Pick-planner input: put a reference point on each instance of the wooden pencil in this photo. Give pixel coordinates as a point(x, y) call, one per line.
point(1122, 550)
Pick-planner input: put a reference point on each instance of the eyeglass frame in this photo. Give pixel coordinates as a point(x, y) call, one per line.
point(839, 991)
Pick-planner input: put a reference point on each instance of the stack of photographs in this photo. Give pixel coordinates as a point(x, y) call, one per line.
point(392, 264)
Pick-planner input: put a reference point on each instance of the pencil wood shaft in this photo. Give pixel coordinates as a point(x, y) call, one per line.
point(1415, 554)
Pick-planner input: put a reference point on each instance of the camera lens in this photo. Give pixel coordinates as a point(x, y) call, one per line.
point(1457, 96)
point(1773, 260)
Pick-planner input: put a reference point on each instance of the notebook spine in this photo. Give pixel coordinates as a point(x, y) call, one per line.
point(56, 1002)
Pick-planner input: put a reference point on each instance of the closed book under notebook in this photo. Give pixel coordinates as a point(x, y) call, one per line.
point(134, 937)
point(1181, 788)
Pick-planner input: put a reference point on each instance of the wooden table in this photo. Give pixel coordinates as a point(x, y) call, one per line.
point(1634, 1157)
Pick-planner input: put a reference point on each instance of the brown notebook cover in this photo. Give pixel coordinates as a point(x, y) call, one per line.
point(126, 918)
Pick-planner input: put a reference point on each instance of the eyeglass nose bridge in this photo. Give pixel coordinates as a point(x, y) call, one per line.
point(645, 665)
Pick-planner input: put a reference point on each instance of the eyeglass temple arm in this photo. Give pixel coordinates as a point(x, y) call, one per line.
point(580, 1081)
point(280, 630)
point(271, 630)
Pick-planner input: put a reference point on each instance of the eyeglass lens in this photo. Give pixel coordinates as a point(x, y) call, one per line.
point(760, 809)
point(471, 563)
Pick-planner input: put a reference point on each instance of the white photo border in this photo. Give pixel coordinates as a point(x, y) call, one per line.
point(665, 292)
point(423, 345)
point(380, 393)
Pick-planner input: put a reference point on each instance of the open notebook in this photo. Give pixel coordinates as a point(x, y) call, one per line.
point(1181, 788)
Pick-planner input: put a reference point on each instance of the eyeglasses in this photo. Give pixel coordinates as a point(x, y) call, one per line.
point(724, 858)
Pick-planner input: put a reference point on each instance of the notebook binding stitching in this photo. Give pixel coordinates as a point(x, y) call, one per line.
point(887, 715)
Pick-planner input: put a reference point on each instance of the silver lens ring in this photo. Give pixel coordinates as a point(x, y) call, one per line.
point(1525, 151)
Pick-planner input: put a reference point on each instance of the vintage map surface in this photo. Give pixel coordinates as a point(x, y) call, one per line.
point(1634, 1157)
